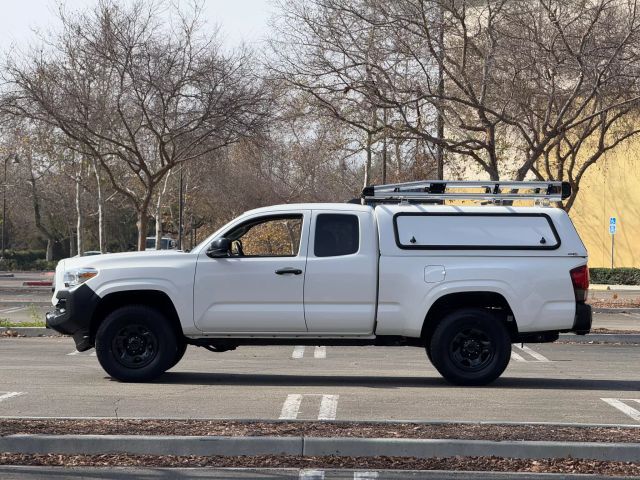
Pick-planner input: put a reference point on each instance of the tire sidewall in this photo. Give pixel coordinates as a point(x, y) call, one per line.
point(156, 322)
point(446, 331)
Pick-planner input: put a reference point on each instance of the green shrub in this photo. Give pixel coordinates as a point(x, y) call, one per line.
point(26, 260)
point(615, 276)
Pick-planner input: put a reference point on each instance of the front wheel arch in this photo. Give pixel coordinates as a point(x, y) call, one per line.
point(155, 299)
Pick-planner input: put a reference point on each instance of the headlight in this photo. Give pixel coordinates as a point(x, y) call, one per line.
point(73, 278)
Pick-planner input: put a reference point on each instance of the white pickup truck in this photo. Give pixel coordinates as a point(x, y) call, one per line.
point(463, 282)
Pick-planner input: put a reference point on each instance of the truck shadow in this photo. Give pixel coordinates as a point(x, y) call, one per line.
point(278, 380)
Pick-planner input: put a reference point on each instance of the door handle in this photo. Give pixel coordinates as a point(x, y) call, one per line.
point(285, 271)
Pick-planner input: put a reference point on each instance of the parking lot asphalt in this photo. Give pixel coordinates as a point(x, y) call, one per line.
point(595, 384)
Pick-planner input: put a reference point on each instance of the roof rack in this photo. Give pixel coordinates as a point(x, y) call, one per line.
point(489, 191)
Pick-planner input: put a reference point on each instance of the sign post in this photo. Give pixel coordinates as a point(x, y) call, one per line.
point(612, 231)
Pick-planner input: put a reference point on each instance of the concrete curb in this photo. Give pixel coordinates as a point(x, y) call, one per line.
point(31, 331)
point(617, 310)
point(601, 287)
point(423, 448)
point(150, 445)
point(600, 338)
point(312, 446)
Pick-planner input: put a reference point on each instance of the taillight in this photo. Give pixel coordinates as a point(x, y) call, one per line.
point(580, 280)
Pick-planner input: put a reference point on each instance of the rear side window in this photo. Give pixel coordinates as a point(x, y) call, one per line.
point(475, 231)
point(336, 235)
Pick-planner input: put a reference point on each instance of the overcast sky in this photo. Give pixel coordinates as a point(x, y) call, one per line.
point(240, 19)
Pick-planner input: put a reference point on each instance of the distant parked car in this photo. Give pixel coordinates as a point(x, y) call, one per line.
point(166, 243)
point(91, 252)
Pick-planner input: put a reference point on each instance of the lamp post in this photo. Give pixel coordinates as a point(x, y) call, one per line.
point(4, 198)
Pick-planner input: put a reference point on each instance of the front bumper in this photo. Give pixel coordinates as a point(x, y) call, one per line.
point(73, 314)
point(583, 319)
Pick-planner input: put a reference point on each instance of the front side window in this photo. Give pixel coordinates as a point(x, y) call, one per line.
point(271, 237)
point(336, 235)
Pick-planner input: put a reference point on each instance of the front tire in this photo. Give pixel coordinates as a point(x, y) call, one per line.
point(135, 343)
point(470, 347)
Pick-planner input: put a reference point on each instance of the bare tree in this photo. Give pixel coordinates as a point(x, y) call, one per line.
point(519, 88)
point(139, 94)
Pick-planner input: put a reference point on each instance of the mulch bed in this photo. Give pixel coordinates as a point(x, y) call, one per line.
point(563, 465)
point(462, 431)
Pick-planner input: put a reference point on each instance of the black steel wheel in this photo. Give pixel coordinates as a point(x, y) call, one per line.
point(136, 343)
point(470, 347)
point(182, 348)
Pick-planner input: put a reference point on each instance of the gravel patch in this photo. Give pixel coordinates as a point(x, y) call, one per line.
point(462, 431)
point(562, 465)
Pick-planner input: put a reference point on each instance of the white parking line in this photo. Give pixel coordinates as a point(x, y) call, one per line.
point(534, 354)
point(10, 395)
point(328, 407)
point(623, 407)
point(318, 352)
point(76, 352)
point(12, 309)
point(291, 407)
point(319, 475)
point(529, 351)
point(516, 357)
point(311, 475)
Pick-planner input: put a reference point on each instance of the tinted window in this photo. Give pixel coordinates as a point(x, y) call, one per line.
point(336, 235)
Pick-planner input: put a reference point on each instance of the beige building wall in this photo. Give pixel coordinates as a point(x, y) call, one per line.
point(611, 188)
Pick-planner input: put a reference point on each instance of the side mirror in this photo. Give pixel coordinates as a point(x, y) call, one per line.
point(219, 248)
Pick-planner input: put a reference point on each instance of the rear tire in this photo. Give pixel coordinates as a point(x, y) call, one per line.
point(136, 343)
point(470, 347)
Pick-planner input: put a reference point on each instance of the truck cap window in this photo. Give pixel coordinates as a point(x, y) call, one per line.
point(336, 235)
point(475, 231)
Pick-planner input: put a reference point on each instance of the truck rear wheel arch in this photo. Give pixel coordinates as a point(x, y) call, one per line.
point(491, 301)
point(155, 299)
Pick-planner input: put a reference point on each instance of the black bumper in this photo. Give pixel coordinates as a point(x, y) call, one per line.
point(582, 320)
point(73, 314)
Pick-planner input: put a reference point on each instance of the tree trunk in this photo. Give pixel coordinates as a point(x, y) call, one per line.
point(143, 225)
point(398, 161)
point(101, 237)
point(440, 118)
point(72, 243)
point(38, 217)
point(143, 220)
point(49, 255)
point(158, 213)
point(367, 166)
point(80, 219)
point(384, 149)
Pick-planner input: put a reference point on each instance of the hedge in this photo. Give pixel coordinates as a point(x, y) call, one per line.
point(26, 260)
point(615, 276)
